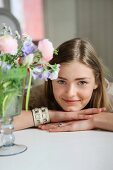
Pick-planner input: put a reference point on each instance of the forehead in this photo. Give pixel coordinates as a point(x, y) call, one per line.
point(75, 69)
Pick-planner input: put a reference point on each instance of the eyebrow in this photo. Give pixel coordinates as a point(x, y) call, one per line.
point(81, 78)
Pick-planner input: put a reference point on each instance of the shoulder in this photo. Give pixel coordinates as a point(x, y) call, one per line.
point(109, 87)
point(37, 97)
point(37, 90)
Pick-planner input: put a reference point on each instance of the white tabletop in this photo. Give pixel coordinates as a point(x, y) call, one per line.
point(85, 150)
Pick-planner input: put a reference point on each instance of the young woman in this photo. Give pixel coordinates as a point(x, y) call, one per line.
point(78, 98)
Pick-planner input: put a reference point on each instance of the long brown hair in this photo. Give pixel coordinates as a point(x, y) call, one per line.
point(82, 51)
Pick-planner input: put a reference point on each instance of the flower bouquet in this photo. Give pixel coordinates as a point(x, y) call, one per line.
point(20, 59)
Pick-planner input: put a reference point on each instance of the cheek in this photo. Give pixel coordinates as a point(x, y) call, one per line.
point(86, 94)
point(58, 91)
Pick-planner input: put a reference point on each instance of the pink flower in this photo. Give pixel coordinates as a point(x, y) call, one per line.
point(46, 48)
point(8, 45)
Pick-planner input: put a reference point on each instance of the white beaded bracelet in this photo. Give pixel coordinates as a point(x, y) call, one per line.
point(40, 116)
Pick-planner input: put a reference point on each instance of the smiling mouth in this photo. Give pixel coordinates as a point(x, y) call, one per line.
point(71, 101)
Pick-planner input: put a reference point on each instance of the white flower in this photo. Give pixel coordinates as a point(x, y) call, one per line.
point(28, 60)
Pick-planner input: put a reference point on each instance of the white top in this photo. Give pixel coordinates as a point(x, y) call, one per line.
point(82, 150)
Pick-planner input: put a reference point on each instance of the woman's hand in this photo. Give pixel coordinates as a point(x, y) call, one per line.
point(70, 126)
point(59, 116)
point(102, 120)
point(72, 121)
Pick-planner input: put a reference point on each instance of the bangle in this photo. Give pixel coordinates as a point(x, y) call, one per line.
point(40, 116)
point(33, 118)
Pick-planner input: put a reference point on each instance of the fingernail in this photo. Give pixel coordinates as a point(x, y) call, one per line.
point(90, 116)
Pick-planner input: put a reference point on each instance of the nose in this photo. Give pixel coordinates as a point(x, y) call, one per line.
point(71, 90)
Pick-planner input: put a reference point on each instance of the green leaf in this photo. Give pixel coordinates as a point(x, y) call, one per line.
point(13, 73)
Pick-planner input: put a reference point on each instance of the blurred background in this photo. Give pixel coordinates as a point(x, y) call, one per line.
point(60, 20)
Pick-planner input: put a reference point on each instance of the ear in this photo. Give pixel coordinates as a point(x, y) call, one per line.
point(95, 86)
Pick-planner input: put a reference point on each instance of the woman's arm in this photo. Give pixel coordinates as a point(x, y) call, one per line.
point(103, 120)
point(25, 119)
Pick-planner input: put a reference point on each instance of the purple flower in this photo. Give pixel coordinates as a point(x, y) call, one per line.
point(46, 74)
point(38, 69)
point(40, 73)
point(35, 75)
point(37, 72)
point(28, 47)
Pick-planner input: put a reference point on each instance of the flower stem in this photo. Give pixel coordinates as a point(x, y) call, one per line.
point(28, 89)
point(3, 110)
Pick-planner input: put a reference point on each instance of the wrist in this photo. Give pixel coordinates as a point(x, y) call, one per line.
point(104, 121)
point(40, 116)
point(23, 121)
point(55, 116)
point(95, 122)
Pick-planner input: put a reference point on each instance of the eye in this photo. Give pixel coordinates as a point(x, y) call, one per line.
point(61, 82)
point(82, 83)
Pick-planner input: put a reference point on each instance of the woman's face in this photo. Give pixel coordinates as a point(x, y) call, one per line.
point(74, 86)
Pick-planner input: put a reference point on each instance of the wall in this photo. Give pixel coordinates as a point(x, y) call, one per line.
point(92, 19)
point(60, 20)
point(96, 22)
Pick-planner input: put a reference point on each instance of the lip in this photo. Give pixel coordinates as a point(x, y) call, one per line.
point(71, 101)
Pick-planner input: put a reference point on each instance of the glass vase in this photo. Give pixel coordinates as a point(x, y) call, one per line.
point(11, 93)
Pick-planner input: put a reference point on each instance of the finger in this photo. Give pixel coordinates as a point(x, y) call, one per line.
point(91, 111)
point(59, 116)
point(74, 126)
point(86, 113)
point(64, 127)
point(103, 109)
point(82, 117)
point(48, 126)
point(54, 125)
point(61, 129)
point(78, 115)
point(68, 116)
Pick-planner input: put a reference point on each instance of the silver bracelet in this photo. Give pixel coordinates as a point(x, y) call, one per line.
point(40, 116)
